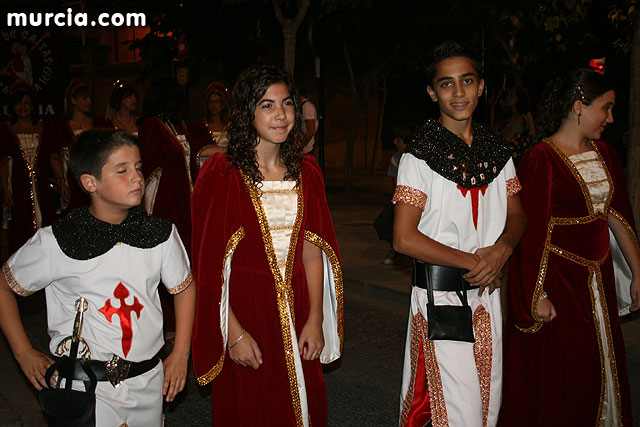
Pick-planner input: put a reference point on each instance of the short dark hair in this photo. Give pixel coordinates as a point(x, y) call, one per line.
point(445, 50)
point(120, 91)
point(90, 152)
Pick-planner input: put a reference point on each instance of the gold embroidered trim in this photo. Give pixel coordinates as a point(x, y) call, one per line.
point(415, 353)
point(628, 227)
point(199, 155)
point(182, 285)
point(612, 352)
point(291, 191)
point(410, 196)
point(281, 227)
point(539, 289)
point(284, 291)
point(420, 332)
point(233, 242)
point(576, 174)
point(579, 162)
point(337, 276)
point(513, 186)
point(599, 181)
point(439, 415)
point(151, 176)
point(13, 283)
point(600, 349)
point(577, 258)
point(31, 172)
point(483, 354)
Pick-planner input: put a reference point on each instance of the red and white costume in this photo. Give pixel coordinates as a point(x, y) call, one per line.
point(120, 284)
point(455, 383)
point(247, 254)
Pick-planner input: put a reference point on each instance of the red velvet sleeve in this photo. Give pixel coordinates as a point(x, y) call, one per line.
point(161, 150)
point(216, 231)
point(528, 265)
point(620, 206)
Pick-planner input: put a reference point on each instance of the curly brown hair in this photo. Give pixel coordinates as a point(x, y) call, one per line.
point(250, 87)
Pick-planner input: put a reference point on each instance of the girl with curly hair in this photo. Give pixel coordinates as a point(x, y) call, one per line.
point(266, 263)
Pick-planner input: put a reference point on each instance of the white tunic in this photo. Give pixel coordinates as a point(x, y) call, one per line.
point(40, 263)
point(464, 379)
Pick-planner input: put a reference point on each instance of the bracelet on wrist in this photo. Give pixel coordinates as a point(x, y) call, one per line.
point(229, 347)
point(543, 295)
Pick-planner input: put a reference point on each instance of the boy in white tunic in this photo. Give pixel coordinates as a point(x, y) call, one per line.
point(459, 216)
point(114, 256)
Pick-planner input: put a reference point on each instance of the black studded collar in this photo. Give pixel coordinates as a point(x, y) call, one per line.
point(82, 236)
point(448, 155)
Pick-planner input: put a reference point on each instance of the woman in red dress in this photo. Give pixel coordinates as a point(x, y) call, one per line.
point(210, 135)
point(62, 132)
point(266, 264)
point(24, 170)
point(565, 360)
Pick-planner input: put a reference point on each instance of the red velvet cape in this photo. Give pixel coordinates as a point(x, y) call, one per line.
point(23, 223)
point(161, 150)
point(224, 218)
point(553, 372)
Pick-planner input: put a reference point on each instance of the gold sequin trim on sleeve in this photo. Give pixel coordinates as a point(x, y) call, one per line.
point(284, 291)
point(434, 380)
point(513, 186)
point(483, 354)
point(235, 238)
point(628, 227)
point(539, 287)
point(151, 176)
point(337, 276)
point(410, 196)
point(13, 283)
point(182, 285)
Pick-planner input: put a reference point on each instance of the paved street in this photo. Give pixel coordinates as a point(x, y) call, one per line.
point(363, 387)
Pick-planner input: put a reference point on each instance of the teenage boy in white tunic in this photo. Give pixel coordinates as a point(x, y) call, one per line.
point(114, 256)
point(457, 214)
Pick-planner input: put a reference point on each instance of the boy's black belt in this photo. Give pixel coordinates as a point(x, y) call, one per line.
point(100, 369)
point(441, 278)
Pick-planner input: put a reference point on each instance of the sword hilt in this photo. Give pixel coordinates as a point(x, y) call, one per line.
point(81, 306)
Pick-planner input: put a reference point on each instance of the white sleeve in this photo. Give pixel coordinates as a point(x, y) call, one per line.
point(29, 269)
point(413, 182)
point(176, 272)
point(513, 183)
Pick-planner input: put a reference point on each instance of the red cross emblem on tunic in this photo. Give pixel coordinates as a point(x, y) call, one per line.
point(124, 313)
point(474, 200)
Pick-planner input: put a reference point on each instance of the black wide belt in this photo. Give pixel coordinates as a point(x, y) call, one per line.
point(100, 369)
point(441, 278)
